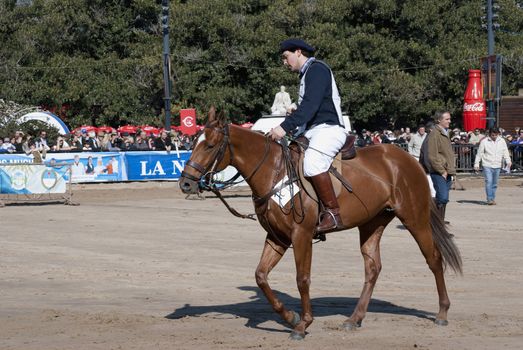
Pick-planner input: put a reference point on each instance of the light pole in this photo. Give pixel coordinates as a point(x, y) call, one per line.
point(166, 64)
point(491, 15)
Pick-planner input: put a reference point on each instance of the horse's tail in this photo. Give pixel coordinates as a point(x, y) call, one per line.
point(443, 239)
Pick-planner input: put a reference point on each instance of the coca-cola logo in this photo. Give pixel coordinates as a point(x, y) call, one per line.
point(188, 121)
point(474, 107)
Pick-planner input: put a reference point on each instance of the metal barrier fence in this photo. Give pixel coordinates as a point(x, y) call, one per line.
point(466, 154)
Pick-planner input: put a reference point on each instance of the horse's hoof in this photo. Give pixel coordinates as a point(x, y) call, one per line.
point(351, 326)
point(441, 322)
point(295, 319)
point(297, 335)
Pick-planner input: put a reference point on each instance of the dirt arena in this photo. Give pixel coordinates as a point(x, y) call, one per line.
point(136, 266)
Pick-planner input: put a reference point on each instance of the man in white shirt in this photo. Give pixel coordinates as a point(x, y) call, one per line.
point(416, 141)
point(492, 152)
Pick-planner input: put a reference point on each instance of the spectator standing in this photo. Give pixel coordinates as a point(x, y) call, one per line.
point(76, 143)
point(366, 138)
point(19, 142)
point(141, 143)
point(474, 137)
point(416, 141)
point(441, 160)
point(114, 143)
point(492, 152)
point(26, 146)
point(163, 143)
point(92, 144)
point(8, 146)
point(61, 145)
point(42, 144)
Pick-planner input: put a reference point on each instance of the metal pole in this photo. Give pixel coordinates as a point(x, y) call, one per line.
point(166, 64)
point(491, 119)
point(490, 29)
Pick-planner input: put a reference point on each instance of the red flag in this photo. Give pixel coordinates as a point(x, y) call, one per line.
point(188, 121)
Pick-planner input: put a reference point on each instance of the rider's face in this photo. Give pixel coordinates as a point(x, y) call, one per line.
point(291, 60)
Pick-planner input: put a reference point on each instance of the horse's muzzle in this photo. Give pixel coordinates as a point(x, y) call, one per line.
point(188, 186)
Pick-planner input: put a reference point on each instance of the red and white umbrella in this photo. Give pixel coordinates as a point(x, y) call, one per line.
point(149, 130)
point(130, 129)
point(107, 129)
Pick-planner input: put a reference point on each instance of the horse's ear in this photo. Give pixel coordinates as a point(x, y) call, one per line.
point(221, 118)
point(212, 114)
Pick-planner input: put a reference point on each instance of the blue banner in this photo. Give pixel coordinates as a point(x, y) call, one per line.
point(113, 166)
point(158, 165)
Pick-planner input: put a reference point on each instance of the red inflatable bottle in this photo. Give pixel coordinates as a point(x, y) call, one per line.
point(474, 107)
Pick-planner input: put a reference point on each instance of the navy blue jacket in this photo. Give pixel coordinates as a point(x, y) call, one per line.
point(316, 106)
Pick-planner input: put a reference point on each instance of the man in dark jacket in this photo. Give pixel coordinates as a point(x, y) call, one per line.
point(440, 160)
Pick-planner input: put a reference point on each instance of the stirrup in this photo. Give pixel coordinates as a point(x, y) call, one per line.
point(338, 224)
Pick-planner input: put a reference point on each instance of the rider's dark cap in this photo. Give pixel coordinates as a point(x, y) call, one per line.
point(295, 44)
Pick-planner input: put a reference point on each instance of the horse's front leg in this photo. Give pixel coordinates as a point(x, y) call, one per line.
point(302, 244)
point(271, 255)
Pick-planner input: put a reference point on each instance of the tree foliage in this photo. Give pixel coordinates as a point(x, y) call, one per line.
point(395, 61)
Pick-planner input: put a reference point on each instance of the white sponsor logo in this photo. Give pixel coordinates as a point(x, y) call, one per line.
point(474, 107)
point(188, 121)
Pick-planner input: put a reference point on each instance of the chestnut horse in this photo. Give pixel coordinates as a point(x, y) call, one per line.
point(386, 181)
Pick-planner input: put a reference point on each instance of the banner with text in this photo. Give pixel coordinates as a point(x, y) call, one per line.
point(113, 166)
point(158, 165)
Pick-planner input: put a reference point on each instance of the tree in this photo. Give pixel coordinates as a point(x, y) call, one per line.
point(395, 61)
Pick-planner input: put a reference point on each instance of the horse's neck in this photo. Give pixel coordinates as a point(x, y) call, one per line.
point(256, 159)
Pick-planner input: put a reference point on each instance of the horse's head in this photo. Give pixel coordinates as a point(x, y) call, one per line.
point(210, 155)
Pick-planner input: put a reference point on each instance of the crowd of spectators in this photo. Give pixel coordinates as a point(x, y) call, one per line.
point(457, 136)
point(100, 141)
point(92, 141)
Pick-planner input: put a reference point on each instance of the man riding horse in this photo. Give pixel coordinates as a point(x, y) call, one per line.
point(318, 117)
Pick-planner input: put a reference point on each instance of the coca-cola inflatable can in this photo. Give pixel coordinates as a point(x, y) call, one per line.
point(474, 107)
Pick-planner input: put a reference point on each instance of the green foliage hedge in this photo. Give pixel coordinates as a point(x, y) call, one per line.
point(395, 61)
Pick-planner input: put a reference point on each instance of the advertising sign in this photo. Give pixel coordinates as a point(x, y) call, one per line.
point(188, 121)
point(33, 179)
point(155, 165)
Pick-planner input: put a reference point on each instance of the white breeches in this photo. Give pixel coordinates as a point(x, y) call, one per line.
point(325, 141)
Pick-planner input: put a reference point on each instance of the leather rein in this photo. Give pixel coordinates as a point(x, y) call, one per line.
point(206, 181)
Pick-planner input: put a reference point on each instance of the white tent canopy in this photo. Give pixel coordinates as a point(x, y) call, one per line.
point(48, 118)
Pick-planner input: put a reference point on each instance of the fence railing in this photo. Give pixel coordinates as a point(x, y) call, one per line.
point(466, 154)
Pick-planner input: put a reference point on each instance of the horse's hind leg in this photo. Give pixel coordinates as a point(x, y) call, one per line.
point(370, 236)
point(422, 233)
point(271, 255)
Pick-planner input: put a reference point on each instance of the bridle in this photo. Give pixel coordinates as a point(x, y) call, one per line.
point(205, 178)
point(207, 173)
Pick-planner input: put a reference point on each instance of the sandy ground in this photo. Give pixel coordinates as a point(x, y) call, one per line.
point(136, 266)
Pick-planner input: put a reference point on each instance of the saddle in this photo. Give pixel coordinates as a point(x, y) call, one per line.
point(347, 152)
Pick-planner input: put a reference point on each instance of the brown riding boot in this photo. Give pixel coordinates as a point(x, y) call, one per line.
point(330, 219)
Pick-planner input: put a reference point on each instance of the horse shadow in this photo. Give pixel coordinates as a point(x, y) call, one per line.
point(258, 310)
point(466, 201)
